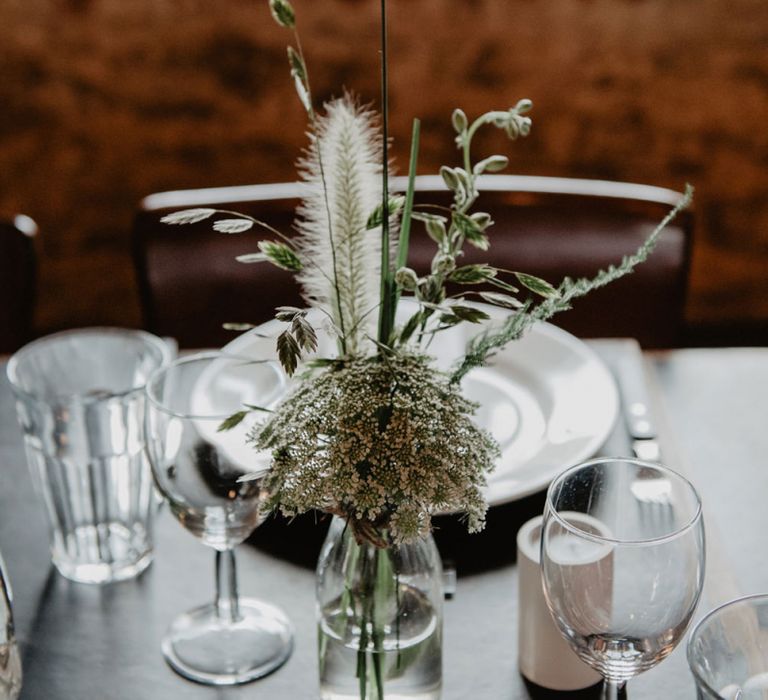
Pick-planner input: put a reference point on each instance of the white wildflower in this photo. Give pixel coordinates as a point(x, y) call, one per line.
point(383, 442)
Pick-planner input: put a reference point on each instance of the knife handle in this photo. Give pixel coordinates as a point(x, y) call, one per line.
point(634, 395)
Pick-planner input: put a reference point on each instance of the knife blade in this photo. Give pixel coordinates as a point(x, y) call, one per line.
point(636, 406)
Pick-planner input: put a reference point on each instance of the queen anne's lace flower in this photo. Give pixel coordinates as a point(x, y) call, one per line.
point(384, 442)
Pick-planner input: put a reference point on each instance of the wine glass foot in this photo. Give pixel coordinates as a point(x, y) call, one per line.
point(205, 648)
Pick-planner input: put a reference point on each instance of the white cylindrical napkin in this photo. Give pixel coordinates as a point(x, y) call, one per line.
point(544, 657)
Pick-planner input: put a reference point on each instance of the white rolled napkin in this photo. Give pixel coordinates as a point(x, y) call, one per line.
point(544, 657)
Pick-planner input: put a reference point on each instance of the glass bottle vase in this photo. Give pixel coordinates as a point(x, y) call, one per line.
point(380, 619)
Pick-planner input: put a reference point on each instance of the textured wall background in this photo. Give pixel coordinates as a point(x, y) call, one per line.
point(105, 101)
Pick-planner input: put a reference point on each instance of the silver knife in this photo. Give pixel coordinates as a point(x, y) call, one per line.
point(636, 406)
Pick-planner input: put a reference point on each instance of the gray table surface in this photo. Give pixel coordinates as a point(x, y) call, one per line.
point(84, 642)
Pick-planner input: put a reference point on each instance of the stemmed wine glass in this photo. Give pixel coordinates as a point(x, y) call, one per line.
point(622, 557)
point(197, 468)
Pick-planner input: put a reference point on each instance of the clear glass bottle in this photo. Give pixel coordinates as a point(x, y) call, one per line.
point(380, 619)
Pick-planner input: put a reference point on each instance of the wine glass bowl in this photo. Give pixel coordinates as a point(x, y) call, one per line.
point(622, 563)
point(199, 480)
point(198, 467)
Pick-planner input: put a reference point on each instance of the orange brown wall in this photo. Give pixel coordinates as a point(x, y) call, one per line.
point(105, 101)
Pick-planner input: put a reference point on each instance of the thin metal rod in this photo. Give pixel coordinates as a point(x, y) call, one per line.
point(386, 312)
point(385, 112)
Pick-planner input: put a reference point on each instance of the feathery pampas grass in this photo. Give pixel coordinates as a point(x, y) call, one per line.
point(342, 168)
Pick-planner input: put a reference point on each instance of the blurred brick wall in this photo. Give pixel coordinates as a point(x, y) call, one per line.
point(105, 101)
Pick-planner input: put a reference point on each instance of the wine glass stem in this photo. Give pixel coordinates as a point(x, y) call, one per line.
point(227, 606)
point(614, 690)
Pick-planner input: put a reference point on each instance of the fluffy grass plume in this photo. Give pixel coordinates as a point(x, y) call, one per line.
point(342, 168)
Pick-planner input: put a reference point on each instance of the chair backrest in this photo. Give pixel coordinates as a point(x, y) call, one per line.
point(550, 227)
point(17, 272)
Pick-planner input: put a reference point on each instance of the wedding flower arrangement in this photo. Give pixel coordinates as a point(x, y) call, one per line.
point(377, 434)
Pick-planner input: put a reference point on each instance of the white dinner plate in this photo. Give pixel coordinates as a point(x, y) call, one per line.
point(547, 398)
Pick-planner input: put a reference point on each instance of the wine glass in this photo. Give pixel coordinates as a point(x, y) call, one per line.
point(197, 467)
point(622, 556)
point(728, 651)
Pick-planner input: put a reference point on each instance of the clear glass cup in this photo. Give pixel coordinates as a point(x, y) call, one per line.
point(622, 600)
point(198, 468)
point(80, 403)
point(728, 651)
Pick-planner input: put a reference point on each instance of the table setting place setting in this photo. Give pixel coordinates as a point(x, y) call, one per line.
point(433, 491)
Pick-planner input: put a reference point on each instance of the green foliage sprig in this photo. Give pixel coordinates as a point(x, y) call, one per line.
point(483, 346)
point(450, 231)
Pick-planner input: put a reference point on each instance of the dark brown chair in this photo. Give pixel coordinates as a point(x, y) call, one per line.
point(17, 272)
point(551, 227)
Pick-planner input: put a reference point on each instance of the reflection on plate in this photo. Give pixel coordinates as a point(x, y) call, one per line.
point(547, 398)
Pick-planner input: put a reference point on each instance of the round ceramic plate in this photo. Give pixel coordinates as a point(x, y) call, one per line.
point(547, 398)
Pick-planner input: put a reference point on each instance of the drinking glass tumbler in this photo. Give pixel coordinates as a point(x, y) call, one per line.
point(728, 651)
point(622, 594)
point(80, 403)
point(212, 478)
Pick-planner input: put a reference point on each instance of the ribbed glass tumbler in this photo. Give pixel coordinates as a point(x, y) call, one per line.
point(80, 403)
